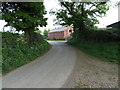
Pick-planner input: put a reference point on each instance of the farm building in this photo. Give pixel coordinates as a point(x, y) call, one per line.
point(60, 33)
point(115, 25)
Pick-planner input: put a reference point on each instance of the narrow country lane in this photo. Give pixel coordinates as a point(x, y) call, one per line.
point(48, 71)
point(63, 67)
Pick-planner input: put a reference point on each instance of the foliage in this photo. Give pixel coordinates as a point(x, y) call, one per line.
point(0, 54)
point(81, 85)
point(0, 17)
point(118, 4)
point(107, 51)
point(58, 40)
point(25, 16)
point(106, 35)
point(16, 53)
point(80, 15)
point(38, 31)
point(45, 33)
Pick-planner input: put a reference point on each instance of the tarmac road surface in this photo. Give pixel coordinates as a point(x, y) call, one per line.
point(48, 71)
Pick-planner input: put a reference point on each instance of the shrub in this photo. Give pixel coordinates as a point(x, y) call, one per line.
point(107, 35)
point(17, 53)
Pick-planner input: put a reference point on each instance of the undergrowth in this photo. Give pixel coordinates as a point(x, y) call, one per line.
point(15, 52)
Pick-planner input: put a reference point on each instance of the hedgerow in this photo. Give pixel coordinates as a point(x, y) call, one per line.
point(15, 52)
point(103, 44)
point(107, 35)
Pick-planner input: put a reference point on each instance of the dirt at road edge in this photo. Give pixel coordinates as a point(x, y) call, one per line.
point(92, 73)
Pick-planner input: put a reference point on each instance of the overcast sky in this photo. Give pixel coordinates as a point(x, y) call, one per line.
point(111, 16)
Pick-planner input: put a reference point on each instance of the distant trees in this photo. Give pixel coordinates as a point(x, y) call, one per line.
point(80, 15)
point(45, 33)
point(24, 16)
point(118, 4)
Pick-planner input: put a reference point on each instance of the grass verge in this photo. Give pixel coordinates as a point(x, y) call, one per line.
point(81, 85)
point(16, 53)
point(107, 51)
point(57, 40)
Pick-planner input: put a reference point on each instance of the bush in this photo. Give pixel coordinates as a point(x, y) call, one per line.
point(99, 43)
point(108, 35)
point(16, 53)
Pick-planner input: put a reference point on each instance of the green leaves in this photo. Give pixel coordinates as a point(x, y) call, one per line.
point(16, 53)
point(24, 15)
point(46, 33)
point(81, 15)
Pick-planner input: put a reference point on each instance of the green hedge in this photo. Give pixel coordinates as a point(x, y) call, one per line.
point(107, 35)
point(107, 51)
point(16, 53)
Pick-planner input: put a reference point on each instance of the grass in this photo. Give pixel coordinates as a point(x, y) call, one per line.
point(16, 53)
point(57, 40)
point(81, 85)
point(107, 51)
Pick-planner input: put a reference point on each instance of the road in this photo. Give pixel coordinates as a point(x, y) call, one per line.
point(48, 71)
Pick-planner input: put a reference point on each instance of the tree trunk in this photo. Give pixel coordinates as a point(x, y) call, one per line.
point(32, 37)
point(28, 35)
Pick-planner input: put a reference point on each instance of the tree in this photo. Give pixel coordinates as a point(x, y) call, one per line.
point(46, 33)
point(25, 16)
point(80, 15)
point(38, 31)
point(118, 3)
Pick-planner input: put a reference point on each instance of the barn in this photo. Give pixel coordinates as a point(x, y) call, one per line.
point(115, 25)
point(60, 33)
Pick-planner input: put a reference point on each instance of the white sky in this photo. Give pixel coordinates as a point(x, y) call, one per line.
point(111, 16)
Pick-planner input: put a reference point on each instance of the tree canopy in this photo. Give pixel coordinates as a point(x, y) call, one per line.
point(45, 33)
point(81, 15)
point(25, 16)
